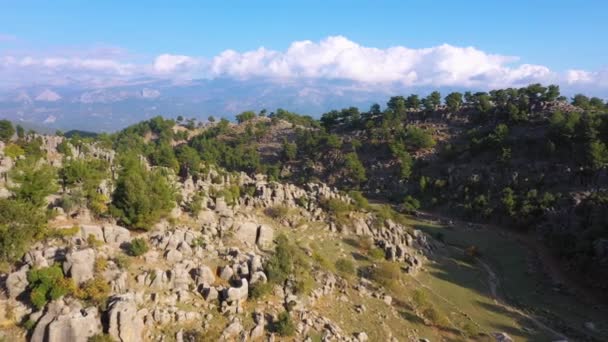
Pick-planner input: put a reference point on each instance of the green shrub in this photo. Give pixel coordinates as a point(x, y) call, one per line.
point(277, 212)
point(260, 290)
point(137, 247)
point(345, 266)
point(63, 232)
point(93, 242)
point(48, 284)
point(360, 200)
point(280, 264)
point(376, 253)
point(410, 204)
point(95, 290)
point(122, 261)
point(13, 151)
point(387, 274)
point(284, 325)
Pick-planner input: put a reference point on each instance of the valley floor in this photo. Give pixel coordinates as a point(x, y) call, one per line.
point(509, 286)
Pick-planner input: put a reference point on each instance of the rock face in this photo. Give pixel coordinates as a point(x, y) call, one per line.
point(66, 322)
point(125, 323)
point(254, 234)
point(76, 326)
point(16, 282)
point(80, 265)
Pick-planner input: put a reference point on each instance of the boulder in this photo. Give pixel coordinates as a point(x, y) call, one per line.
point(116, 235)
point(237, 294)
point(232, 331)
point(16, 282)
point(76, 326)
point(125, 323)
point(174, 255)
point(204, 275)
point(259, 276)
point(80, 265)
point(254, 234)
point(87, 229)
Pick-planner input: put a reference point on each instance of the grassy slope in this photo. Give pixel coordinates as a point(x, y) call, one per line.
point(520, 283)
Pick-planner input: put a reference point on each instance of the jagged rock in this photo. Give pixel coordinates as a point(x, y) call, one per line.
point(53, 309)
point(209, 293)
point(258, 331)
point(119, 284)
point(237, 294)
point(387, 299)
point(86, 230)
point(77, 326)
point(180, 277)
point(226, 273)
point(116, 235)
point(80, 265)
point(35, 258)
point(258, 276)
point(16, 282)
point(204, 275)
point(254, 234)
point(232, 331)
point(174, 255)
point(125, 323)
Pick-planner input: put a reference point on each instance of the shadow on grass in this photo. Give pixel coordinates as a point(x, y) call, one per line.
point(359, 257)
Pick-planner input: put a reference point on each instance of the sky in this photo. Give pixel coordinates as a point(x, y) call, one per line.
point(425, 42)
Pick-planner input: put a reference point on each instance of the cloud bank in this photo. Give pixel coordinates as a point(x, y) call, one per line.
point(333, 58)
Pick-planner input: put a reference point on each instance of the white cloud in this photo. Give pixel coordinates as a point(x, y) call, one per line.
point(339, 58)
point(583, 77)
point(332, 58)
point(167, 63)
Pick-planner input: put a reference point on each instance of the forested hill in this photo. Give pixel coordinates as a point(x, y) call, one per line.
point(526, 158)
point(135, 221)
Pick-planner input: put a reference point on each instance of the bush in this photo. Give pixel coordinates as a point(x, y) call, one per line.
point(13, 151)
point(122, 261)
point(360, 200)
point(387, 274)
point(284, 325)
point(95, 290)
point(137, 247)
point(93, 242)
point(280, 264)
point(277, 212)
point(48, 284)
point(260, 290)
point(410, 204)
point(376, 253)
point(345, 266)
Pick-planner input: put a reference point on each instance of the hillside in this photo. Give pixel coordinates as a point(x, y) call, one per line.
point(474, 217)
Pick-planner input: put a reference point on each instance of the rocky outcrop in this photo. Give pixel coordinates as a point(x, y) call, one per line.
point(125, 322)
point(253, 233)
point(66, 322)
point(16, 282)
point(80, 265)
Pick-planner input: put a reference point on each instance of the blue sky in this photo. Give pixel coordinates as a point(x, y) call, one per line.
point(558, 35)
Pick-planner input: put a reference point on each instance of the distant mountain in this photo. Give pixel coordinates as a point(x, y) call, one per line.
point(112, 108)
